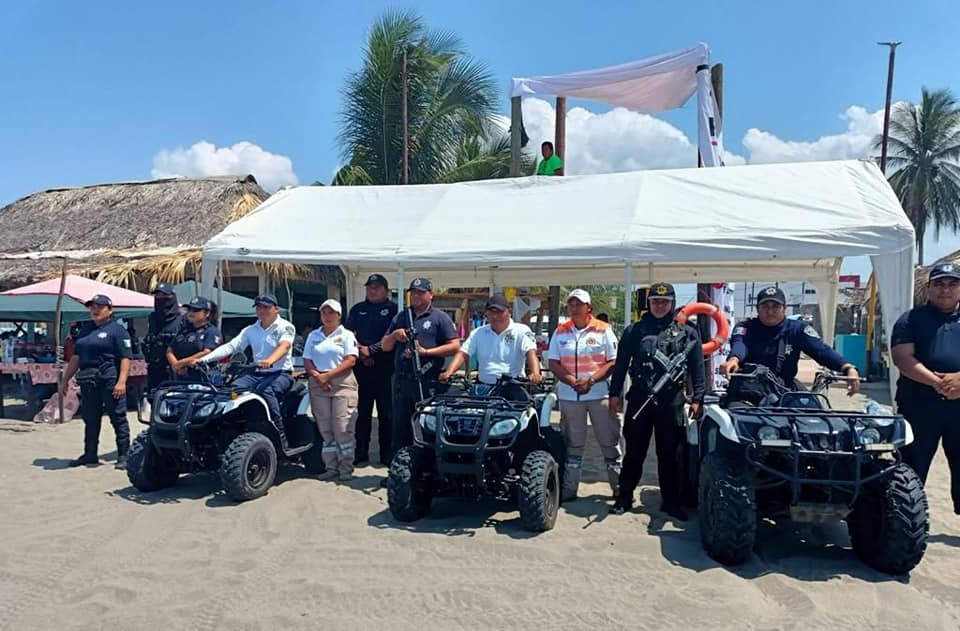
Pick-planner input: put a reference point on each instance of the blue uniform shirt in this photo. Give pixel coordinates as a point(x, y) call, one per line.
point(754, 343)
point(936, 340)
point(433, 328)
point(190, 340)
point(102, 347)
point(370, 321)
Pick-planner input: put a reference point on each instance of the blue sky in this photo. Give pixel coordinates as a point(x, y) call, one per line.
point(95, 91)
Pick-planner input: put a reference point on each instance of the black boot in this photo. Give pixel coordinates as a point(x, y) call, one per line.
point(675, 511)
point(122, 448)
point(84, 461)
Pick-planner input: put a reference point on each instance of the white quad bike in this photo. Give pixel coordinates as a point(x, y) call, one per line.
point(763, 451)
point(206, 427)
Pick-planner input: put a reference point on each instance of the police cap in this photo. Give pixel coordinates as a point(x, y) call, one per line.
point(99, 299)
point(377, 279)
point(421, 284)
point(944, 270)
point(199, 303)
point(265, 300)
point(771, 294)
point(663, 291)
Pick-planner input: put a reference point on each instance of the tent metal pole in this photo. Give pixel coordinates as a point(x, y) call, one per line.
point(401, 294)
point(627, 294)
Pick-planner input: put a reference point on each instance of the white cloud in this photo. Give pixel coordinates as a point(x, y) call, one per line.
point(621, 140)
point(272, 170)
point(618, 140)
point(855, 142)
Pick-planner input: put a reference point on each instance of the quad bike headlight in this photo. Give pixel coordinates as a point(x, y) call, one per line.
point(870, 436)
point(208, 409)
point(768, 433)
point(503, 428)
point(428, 422)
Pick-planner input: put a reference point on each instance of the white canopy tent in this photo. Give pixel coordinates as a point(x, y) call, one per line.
point(654, 84)
point(746, 223)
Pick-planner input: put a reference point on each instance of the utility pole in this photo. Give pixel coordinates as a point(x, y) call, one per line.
point(403, 107)
point(886, 109)
point(872, 305)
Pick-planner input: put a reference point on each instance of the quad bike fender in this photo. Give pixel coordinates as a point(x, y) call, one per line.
point(546, 408)
point(715, 414)
point(245, 399)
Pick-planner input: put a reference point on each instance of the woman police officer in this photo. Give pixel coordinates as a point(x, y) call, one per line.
point(102, 364)
point(197, 336)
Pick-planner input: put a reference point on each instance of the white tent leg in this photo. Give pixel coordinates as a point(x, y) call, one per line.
point(208, 271)
point(895, 284)
point(401, 286)
point(627, 294)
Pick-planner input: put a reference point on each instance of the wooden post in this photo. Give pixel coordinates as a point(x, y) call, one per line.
point(516, 114)
point(560, 130)
point(554, 317)
point(57, 346)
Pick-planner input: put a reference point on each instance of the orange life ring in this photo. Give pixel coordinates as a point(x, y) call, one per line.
point(703, 308)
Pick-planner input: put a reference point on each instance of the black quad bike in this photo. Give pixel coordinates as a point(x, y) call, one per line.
point(202, 427)
point(480, 441)
point(766, 451)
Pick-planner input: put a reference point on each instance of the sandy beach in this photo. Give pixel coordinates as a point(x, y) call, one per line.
point(82, 549)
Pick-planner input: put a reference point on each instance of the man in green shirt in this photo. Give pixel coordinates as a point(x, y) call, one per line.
point(551, 163)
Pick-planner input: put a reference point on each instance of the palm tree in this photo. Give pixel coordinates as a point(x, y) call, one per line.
point(923, 149)
point(451, 105)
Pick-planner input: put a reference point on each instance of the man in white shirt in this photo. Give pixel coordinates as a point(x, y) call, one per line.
point(502, 347)
point(271, 341)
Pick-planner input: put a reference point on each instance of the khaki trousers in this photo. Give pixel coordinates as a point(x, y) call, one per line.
point(335, 412)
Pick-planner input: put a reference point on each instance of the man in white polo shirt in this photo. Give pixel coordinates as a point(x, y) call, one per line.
point(270, 339)
point(502, 347)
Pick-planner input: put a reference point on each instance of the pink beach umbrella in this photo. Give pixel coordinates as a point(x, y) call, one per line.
point(83, 289)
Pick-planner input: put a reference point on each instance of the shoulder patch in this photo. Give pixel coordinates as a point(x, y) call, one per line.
point(810, 331)
point(740, 330)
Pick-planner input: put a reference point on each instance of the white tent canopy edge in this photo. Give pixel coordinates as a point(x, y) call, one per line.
point(758, 222)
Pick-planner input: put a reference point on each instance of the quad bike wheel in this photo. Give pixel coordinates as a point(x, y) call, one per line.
point(147, 468)
point(728, 509)
point(249, 466)
point(407, 495)
point(889, 522)
point(539, 491)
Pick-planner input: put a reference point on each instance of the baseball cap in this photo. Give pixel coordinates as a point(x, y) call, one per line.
point(199, 303)
point(164, 288)
point(421, 284)
point(580, 294)
point(333, 304)
point(265, 300)
point(99, 299)
point(944, 270)
point(377, 279)
point(771, 293)
point(497, 302)
point(663, 291)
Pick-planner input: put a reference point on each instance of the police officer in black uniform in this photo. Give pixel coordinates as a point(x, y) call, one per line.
point(771, 340)
point(655, 331)
point(198, 335)
point(435, 339)
point(926, 348)
point(164, 323)
point(369, 320)
point(101, 363)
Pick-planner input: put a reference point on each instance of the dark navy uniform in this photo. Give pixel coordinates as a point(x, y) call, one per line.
point(163, 325)
point(936, 339)
point(370, 321)
point(779, 347)
point(432, 328)
point(100, 350)
point(663, 415)
point(190, 340)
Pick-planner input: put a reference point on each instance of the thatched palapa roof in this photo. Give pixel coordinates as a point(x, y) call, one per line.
point(130, 233)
